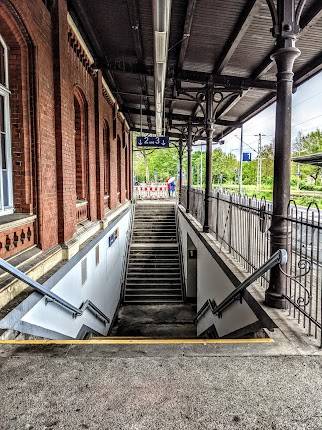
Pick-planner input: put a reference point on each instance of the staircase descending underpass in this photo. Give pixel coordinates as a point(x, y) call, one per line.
point(153, 302)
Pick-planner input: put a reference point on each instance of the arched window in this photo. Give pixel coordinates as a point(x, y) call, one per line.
point(107, 157)
point(119, 168)
point(6, 193)
point(127, 171)
point(81, 151)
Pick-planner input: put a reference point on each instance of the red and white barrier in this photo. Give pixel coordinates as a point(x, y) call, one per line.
point(152, 191)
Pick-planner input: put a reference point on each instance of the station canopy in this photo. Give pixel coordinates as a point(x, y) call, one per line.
point(229, 41)
point(313, 159)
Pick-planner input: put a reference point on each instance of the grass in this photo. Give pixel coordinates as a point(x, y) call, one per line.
point(301, 197)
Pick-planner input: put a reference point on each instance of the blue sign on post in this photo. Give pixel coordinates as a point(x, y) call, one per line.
point(152, 141)
point(247, 156)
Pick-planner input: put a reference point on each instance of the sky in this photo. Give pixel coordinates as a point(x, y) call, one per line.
point(306, 117)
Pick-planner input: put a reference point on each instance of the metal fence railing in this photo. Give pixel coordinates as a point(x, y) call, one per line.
point(241, 225)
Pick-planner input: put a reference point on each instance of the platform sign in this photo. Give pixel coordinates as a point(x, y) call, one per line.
point(152, 141)
point(247, 156)
point(112, 238)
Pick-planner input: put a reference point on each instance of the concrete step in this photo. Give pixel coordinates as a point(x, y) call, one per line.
point(152, 269)
point(143, 256)
point(154, 239)
point(154, 257)
point(149, 277)
point(165, 230)
point(154, 261)
point(154, 264)
point(153, 287)
point(156, 216)
point(157, 236)
point(148, 292)
point(151, 301)
point(155, 213)
point(155, 226)
point(156, 221)
point(152, 280)
point(154, 233)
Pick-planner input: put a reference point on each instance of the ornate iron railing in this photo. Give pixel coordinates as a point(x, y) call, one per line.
point(241, 226)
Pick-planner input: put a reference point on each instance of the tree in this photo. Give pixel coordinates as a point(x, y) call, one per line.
point(155, 164)
point(198, 161)
point(307, 145)
point(267, 155)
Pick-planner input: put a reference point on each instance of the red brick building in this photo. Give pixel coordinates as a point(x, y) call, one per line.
point(65, 145)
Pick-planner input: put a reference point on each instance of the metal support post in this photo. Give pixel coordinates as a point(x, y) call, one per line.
point(210, 133)
point(189, 173)
point(285, 29)
point(180, 170)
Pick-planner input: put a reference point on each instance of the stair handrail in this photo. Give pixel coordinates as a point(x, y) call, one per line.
point(52, 297)
point(279, 257)
point(129, 235)
point(178, 233)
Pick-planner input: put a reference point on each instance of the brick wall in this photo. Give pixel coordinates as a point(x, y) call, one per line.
point(47, 69)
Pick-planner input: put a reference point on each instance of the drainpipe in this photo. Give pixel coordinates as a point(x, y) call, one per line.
point(161, 28)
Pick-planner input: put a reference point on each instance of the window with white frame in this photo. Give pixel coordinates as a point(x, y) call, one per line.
point(6, 193)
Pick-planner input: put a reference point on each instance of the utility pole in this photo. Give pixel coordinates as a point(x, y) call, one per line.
point(259, 162)
point(201, 173)
point(241, 161)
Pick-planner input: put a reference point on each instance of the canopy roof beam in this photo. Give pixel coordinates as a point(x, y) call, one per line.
point(306, 21)
point(186, 32)
point(236, 35)
point(182, 117)
point(136, 32)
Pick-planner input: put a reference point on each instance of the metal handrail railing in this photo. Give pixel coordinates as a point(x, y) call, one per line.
point(178, 233)
point(128, 245)
point(279, 257)
point(52, 297)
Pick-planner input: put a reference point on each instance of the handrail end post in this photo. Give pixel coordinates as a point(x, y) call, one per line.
point(283, 257)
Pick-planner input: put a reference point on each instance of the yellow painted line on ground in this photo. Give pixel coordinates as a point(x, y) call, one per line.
point(138, 341)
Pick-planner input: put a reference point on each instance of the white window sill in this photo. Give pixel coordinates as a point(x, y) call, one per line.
point(15, 220)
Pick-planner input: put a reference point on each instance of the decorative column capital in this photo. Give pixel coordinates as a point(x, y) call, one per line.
point(285, 57)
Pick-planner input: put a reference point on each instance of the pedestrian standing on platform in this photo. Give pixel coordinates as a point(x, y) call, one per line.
point(172, 188)
point(169, 187)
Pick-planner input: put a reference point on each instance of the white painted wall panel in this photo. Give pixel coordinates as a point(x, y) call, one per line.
point(213, 283)
point(102, 287)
